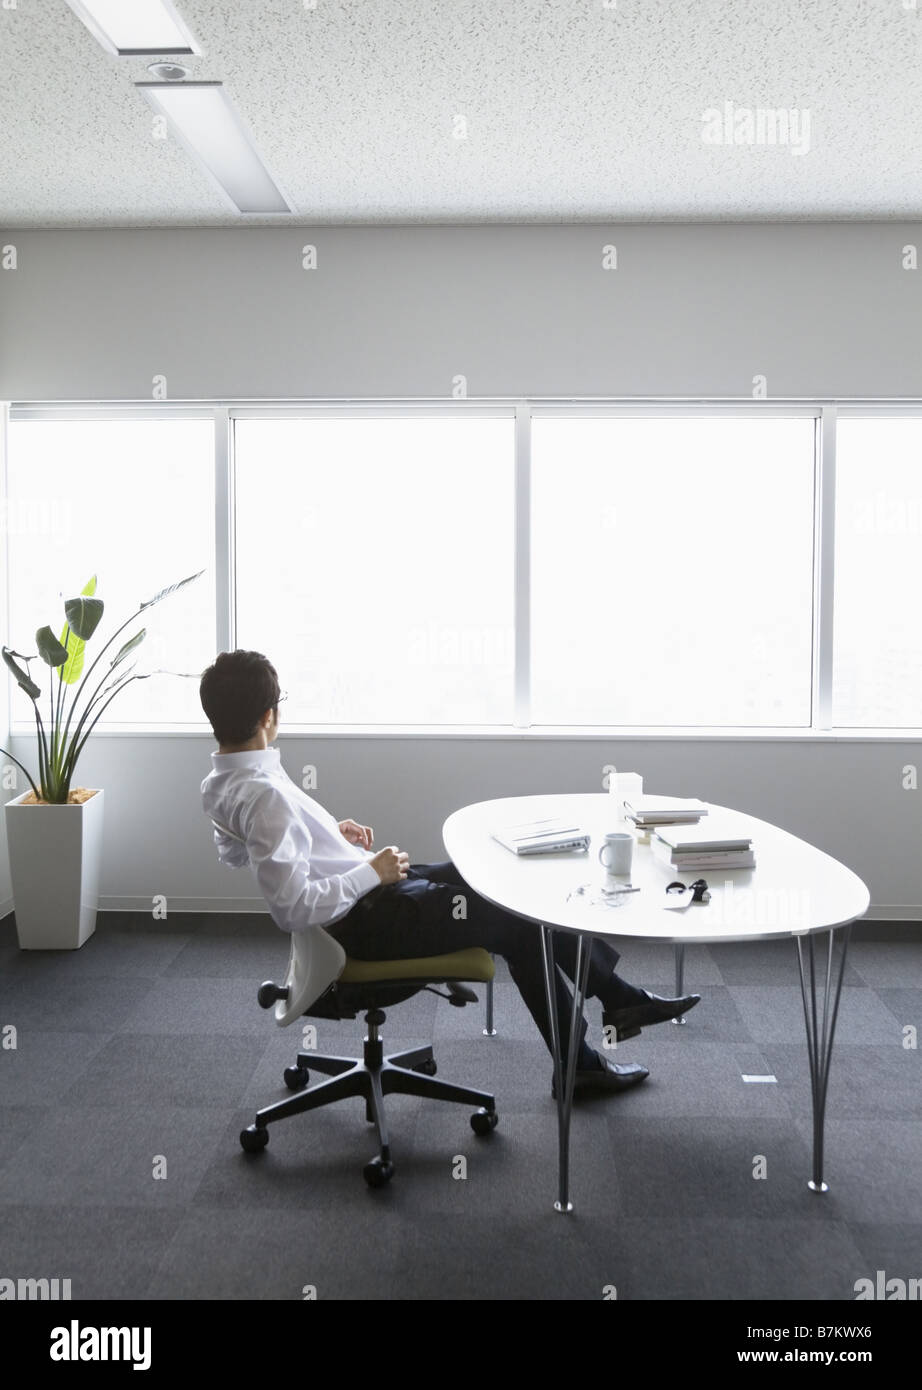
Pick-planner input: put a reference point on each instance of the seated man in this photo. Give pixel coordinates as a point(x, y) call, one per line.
point(313, 870)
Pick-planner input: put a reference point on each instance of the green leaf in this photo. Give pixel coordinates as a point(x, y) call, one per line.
point(84, 615)
point(129, 646)
point(123, 679)
point(23, 679)
point(49, 648)
point(73, 668)
point(170, 590)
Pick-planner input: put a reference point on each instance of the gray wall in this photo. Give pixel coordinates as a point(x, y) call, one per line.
point(821, 310)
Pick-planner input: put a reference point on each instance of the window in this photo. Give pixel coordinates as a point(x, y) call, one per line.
point(669, 551)
point(132, 501)
point(877, 663)
point(672, 570)
point(375, 565)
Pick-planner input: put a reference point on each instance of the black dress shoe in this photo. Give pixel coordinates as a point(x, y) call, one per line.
point(628, 1022)
point(610, 1076)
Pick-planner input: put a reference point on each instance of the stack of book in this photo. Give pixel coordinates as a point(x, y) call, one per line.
point(647, 811)
point(688, 849)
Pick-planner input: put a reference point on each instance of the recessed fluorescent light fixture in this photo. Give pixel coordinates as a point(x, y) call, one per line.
point(207, 124)
point(135, 27)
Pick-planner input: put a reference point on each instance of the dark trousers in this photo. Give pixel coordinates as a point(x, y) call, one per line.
point(433, 911)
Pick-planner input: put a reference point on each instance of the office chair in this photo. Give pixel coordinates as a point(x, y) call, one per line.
point(321, 982)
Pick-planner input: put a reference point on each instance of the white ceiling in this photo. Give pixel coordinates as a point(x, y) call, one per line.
point(576, 110)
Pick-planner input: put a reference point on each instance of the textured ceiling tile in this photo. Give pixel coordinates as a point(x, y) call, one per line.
point(569, 110)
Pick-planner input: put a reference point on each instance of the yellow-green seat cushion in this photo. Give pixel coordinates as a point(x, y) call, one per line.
point(472, 964)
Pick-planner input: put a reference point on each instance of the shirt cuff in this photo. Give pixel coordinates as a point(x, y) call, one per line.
point(364, 877)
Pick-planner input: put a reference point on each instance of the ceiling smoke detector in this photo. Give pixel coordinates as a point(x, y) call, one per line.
point(168, 72)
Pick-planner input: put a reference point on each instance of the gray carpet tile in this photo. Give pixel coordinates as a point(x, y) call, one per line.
point(80, 1005)
point(775, 1013)
point(872, 1168)
point(682, 1256)
point(894, 963)
point(16, 1125)
point(702, 1078)
point(159, 1070)
point(150, 1041)
point(240, 956)
point(177, 1005)
point(771, 963)
point(230, 926)
point(894, 1248)
point(106, 1157)
point(707, 1164)
point(906, 1006)
point(864, 1081)
point(112, 952)
point(541, 1256)
point(652, 966)
point(264, 1082)
point(512, 1171)
point(45, 1065)
point(107, 1253)
point(9, 954)
point(340, 1252)
point(491, 1064)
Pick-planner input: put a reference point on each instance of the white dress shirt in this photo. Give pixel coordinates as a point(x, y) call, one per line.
point(307, 871)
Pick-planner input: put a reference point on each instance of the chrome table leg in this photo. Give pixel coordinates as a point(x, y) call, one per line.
point(564, 1085)
point(489, 1031)
point(820, 1034)
point(679, 977)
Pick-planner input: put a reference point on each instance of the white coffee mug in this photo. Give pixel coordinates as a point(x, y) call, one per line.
point(616, 853)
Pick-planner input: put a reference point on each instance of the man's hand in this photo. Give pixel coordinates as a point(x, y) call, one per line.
point(357, 834)
point(391, 864)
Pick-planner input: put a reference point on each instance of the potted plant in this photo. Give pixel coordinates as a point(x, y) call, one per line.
point(54, 831)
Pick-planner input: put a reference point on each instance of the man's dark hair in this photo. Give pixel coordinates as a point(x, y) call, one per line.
point(236, 692)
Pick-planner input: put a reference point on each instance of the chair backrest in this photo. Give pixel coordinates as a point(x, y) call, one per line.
point(315, 961)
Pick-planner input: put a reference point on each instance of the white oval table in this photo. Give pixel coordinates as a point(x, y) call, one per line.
point(795, 891)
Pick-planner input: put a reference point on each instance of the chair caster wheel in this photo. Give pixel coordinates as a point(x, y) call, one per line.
point(296, 1078)
point(484, 1121)
point(428, 1068)
point(254, 1139)
point(378, 1171)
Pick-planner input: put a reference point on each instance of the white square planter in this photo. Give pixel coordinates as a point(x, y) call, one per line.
point(55, 853)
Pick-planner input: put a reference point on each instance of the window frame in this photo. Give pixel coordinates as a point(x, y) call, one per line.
point(524, 410)
point(863, 410)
